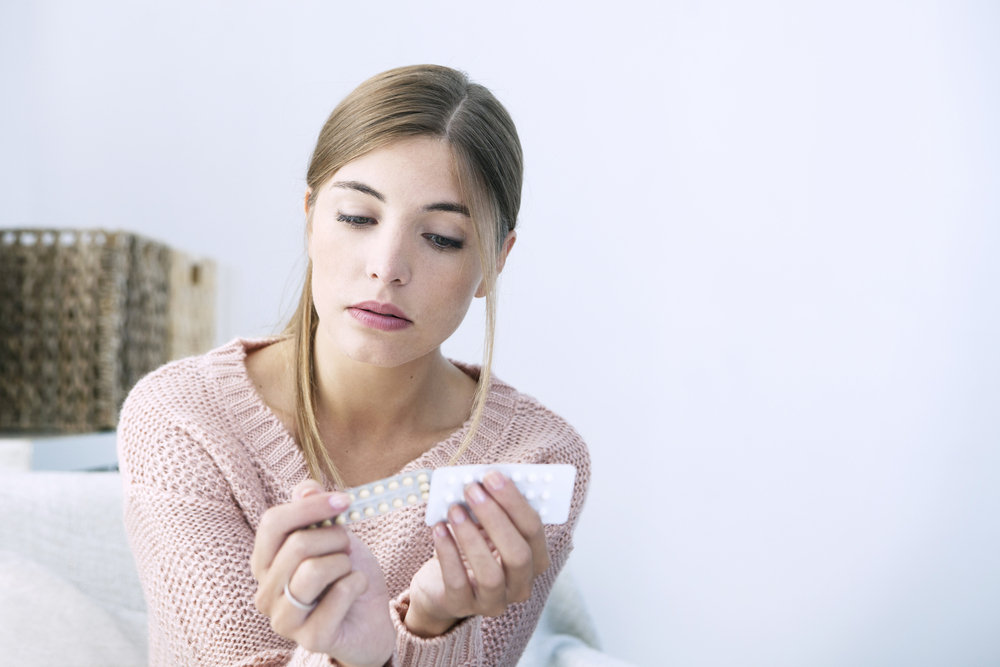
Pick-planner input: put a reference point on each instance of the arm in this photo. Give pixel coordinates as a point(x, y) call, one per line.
point(189, 524)
point(496, 589)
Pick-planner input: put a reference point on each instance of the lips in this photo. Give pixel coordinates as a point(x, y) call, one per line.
point(381, 316)
point(381, 309)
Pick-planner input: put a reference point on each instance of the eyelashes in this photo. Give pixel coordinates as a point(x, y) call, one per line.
point(436, 241)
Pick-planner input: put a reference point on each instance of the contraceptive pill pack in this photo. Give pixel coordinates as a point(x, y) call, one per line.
point(548, 488)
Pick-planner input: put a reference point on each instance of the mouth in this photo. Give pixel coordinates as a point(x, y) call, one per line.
point(386, 309)
point(381, 316)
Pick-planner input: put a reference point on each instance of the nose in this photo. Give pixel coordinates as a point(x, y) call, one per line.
point(388, 260)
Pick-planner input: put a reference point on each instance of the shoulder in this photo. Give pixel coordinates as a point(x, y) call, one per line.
point(188, 418)
point(526, 431)
point(186, 389)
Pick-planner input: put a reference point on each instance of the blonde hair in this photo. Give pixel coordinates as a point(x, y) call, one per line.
point(421, 100)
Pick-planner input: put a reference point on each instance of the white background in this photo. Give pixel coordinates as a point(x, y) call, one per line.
point(756, 268)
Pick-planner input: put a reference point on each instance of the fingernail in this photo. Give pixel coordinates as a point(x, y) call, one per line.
point(495, 480)
point(456, 514)
point(339, 501)
point(475, 493)
point(440, 530)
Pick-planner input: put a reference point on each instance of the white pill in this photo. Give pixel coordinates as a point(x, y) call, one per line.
point(378, 489)
point(369, 511)
point(352, 497)
point(425, 487)
point(341, 519)
point(355, 515)
point(425, 495)
point(422, 477)
point(383, 507)
point(364, 493)
point(397, 503)
point(412, 499)
point(407, 481)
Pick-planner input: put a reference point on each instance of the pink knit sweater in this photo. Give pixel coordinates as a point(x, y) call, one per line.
point(202, 457)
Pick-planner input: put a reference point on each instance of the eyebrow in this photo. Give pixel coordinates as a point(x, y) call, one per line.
point(447, 207)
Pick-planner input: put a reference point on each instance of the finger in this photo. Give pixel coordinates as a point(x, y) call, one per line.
point(301, 546)
point(305, 488)
point(280, 521)
point(515, 552)
point(489, 589)
point(524, 516)
point(314, 575)
point(457, 588)
point(332, 608)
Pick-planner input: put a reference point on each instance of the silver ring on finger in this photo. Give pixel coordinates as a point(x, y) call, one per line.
point(296, 603)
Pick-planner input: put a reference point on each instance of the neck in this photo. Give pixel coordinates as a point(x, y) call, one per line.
point(373, 407)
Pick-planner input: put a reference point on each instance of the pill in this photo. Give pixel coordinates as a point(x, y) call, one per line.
point(355, 515)
point(407, 481)
point(412, 499)
point(425, 495)
point(341, 519)
point(422, 477)
point(369, 511)
point(383, 507)
point(352, 497)
point(378, 489)
point(364, 493)
point(397, 503)
point(425, 487)
point(393, 485)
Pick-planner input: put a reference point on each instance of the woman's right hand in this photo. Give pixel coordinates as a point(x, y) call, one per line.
point(330, 565)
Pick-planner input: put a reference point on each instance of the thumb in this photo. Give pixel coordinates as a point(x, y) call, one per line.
point(306, 488)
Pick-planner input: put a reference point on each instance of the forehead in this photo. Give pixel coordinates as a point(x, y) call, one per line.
point(414, 170)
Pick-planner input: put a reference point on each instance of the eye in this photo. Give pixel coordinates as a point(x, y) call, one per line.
point(443, 242)
point(355, 220)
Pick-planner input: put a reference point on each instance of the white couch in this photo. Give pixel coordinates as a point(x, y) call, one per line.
point(70, 594)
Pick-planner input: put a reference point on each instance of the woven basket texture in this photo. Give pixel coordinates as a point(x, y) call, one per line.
point(84, 314)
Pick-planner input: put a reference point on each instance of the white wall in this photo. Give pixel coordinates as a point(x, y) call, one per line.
point(757, 269)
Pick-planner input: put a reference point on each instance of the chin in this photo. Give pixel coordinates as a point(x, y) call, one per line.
point(381, 353)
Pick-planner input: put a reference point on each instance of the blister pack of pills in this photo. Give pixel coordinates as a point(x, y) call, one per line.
point(384, 496)
point(548, 488)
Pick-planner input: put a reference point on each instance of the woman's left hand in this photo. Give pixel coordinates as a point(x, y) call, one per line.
point(466, 576)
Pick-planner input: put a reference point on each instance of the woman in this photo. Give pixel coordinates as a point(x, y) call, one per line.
point(413, 194)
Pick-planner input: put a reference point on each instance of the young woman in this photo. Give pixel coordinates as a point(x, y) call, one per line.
point(227, 459)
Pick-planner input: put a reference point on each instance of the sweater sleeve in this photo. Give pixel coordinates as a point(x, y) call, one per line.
point(192, 544)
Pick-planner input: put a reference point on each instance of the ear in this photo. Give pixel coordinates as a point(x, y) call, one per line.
point(508, 243)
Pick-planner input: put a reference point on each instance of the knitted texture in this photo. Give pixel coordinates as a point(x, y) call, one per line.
point(202, 458)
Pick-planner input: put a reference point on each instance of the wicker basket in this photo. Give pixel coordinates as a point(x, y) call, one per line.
point(83, 315)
